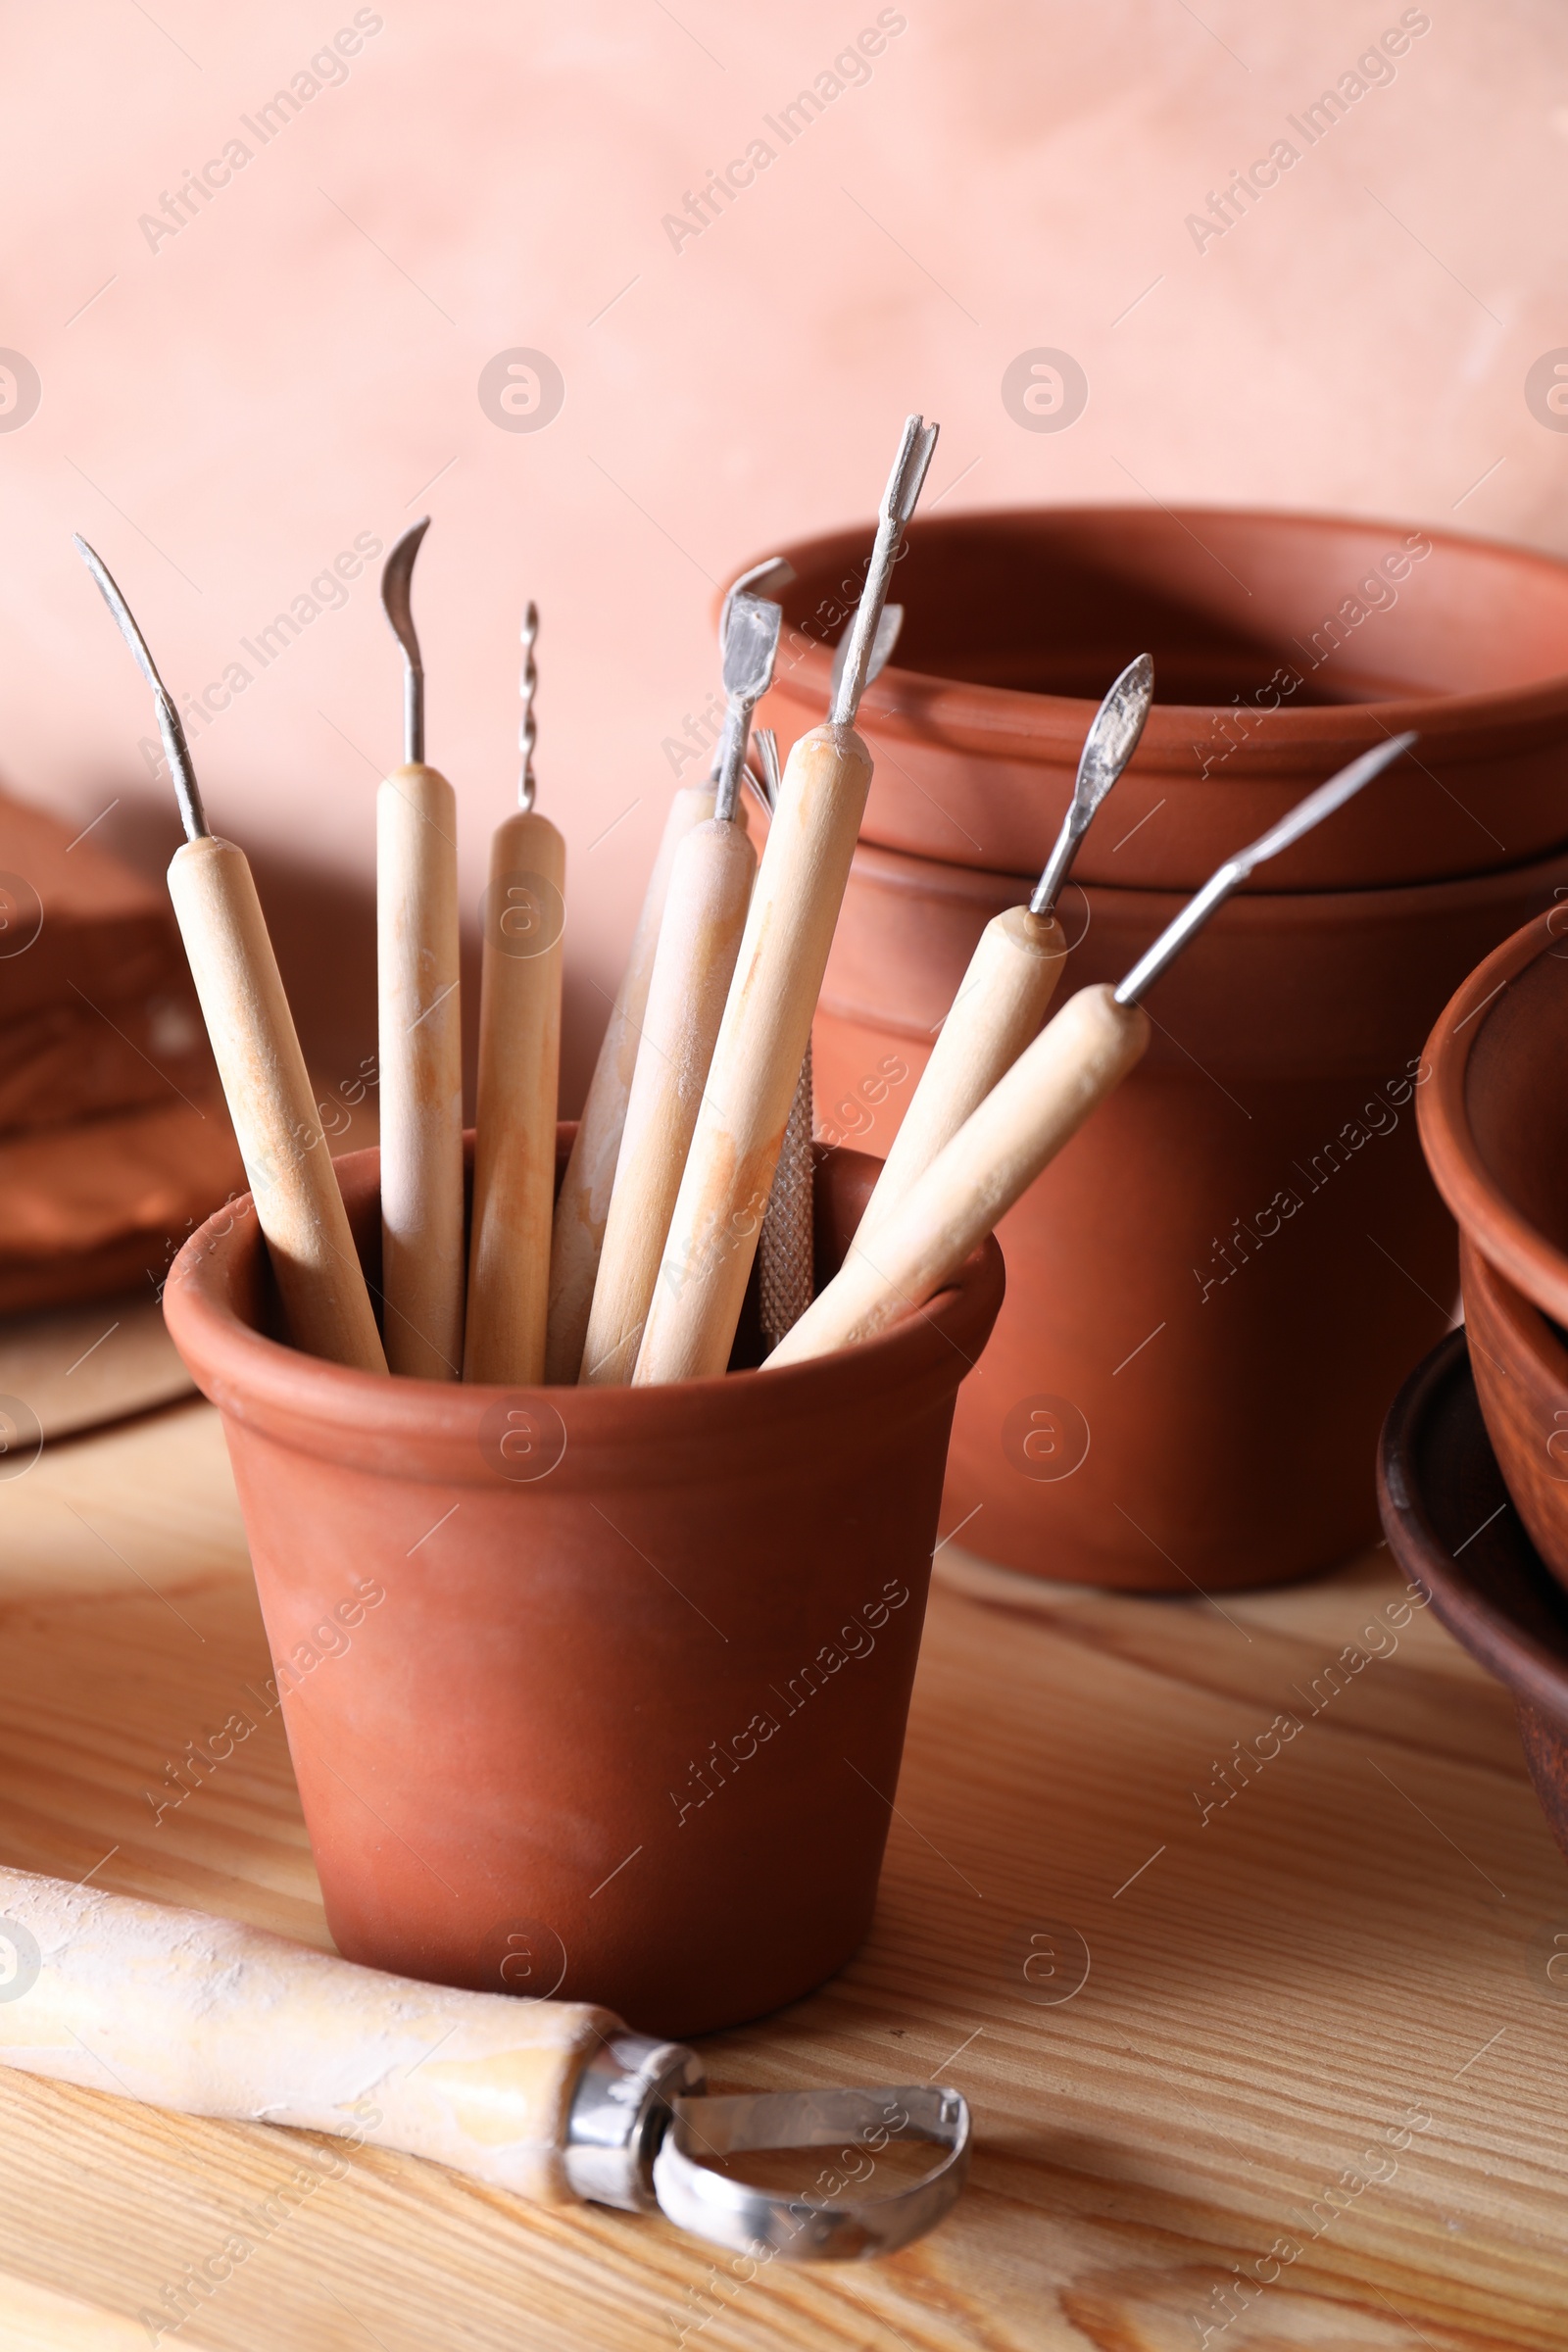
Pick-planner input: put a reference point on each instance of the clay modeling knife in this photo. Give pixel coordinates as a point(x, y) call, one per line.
point(266, 1084)
point(582, 1205)
point(551, 2100)
point(704, 914)
point(1014, 972)
point(778, 975)
point(420, 1052)
point(1079, 1059)
point(520, 1068)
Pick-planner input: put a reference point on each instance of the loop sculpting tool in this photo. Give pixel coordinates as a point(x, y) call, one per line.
point(778, 975)
point(1079, 1059)
point(520, 1068)
point(420, 1052)
point(709, 891)
point(554, 2101)
point(1013, 975)
point(266, 1084)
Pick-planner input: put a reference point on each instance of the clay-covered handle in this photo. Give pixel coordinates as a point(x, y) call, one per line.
point(199, 2014)
point(272, 1105)
point(1001, 1000)
point(756, 1060)
point(582, 1205)
point(1041, 1103)
point(514, 1118)
point(419, 1065)
point(704, 914)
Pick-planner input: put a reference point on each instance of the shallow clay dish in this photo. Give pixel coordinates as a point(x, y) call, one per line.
point(1015, 622)
point(1447, 1517)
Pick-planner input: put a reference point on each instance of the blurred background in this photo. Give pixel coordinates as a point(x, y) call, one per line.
point(282, 279)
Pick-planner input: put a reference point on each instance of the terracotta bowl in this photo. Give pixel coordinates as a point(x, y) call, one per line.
point(1445, 1511)
point(1215, 1289)
point(1015, 622)
point(592, 1690)
point(1495, 1128)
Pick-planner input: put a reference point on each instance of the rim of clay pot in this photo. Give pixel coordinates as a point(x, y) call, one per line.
point(1533, 1668)
point(609, 1435)
point(1002, 720)
point(1491, 1222)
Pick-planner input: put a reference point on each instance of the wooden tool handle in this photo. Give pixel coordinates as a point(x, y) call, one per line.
point(211, 2018)
point(757, 1062)
point(582, 1205)
point(270, 1102)
point(421, 1065)
point(704, 914)
point(999, 1006)
point(515, 1122)
point(1040, 1104)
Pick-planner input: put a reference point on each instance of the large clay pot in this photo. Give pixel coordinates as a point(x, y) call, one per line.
point(591, 1690)
point(1215, 1289)
point(1282, 645)
point(1495, 1125)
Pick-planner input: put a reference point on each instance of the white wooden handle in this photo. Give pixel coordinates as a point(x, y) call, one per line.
point(514, 1120)
point(757, 1062)
point(199, 2014)
point(999, 1006)
point(271, 1105)
point(582, 1205)
point(420, 1066)
point(1040, 1104)
point(705, 912)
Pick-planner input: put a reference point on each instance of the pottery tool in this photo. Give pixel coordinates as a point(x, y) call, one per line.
point(704, 914)
point(778, 975)
point(551, 2100)
point(520, 1066)
point(582, 1205)
point(420, 1051)
point(266, 1084)
point(1013, 975)
point(1036, 1106)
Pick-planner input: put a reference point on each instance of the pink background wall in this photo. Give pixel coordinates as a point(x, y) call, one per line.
point(225, 408)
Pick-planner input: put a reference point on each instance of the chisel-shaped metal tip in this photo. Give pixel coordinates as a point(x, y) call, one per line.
point(397, 581)
point(1217, 889)
point(750, 646)
point(1110, 744)
point(176, 750)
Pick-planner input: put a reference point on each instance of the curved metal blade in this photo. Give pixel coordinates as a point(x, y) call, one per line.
point(1112, 738)
point(887, 637)
point(1217, 889)
point(396, 580)
point(176, 748)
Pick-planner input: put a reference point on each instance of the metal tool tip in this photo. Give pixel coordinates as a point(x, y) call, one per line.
point(397, 577)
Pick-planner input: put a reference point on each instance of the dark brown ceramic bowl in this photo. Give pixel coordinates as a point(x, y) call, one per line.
point(1445, 1512)
point(1015, 622)
point(613, 1678)
point(1493, 1121)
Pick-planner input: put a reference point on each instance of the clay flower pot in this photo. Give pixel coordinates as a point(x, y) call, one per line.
point(1446, 1514)
point(598, 1691)
point(1214, 1290)
point(1494, 1126)
point(1282, 645)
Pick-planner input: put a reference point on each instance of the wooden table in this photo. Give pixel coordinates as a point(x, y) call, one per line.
point(1309, 2094)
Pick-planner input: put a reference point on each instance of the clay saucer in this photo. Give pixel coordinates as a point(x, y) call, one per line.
point(1453, 1530)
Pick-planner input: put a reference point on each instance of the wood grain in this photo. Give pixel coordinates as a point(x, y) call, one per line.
point(1360, 1931)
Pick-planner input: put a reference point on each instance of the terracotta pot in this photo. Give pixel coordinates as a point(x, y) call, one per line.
point(1214, 1290)
point(1017, 622)
point(1444, 1511)
point(1494, 1126)
point(591, 1690)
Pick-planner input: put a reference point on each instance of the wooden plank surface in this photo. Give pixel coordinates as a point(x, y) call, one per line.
point(1309, 2092)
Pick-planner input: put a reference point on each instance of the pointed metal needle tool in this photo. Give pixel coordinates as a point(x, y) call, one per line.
point(1013, 975)
point(270, 1100)
point(778, 976)
point(1079, 1059)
